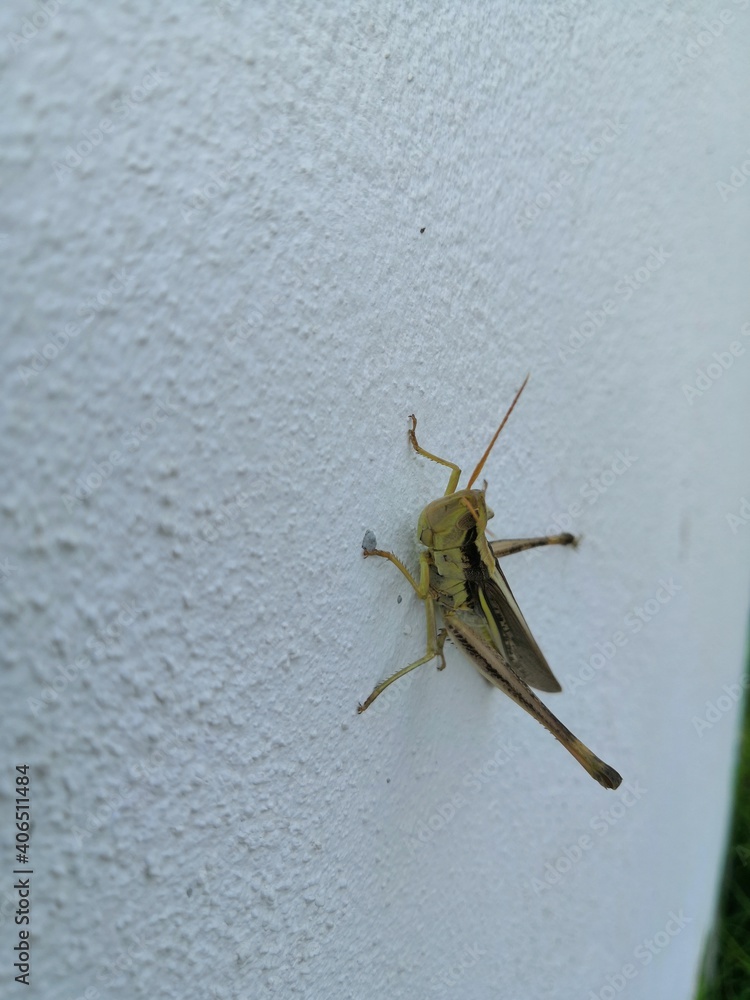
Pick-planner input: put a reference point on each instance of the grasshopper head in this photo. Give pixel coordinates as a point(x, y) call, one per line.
point(444, 523)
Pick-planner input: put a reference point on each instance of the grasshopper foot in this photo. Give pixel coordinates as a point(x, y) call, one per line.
point(369, 543)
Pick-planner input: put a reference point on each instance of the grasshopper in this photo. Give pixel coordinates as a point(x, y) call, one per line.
point(460, 575)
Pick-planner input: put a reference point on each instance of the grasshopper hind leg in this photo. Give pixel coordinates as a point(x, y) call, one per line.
point(507, 548)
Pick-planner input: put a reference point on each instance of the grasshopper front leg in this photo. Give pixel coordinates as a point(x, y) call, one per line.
point(435, 639)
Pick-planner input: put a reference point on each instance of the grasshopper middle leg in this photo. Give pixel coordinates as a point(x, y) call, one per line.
point(435, 639)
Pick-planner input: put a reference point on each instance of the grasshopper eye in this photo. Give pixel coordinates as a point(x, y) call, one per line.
point(490, 513)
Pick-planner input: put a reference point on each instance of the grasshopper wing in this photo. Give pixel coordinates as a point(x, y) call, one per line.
point(511, 635)
point(490, 663)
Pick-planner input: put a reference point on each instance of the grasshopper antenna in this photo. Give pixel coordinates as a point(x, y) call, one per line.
point(491, 445)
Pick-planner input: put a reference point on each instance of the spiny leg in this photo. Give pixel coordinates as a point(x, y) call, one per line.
point(507, 548)
point(435, 643)
point(456, 472)
point(435, 639)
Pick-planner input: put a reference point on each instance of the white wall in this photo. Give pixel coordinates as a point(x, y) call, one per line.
point(208, 809)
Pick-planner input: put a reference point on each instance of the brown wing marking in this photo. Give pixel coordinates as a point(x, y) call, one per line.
point(512, 635)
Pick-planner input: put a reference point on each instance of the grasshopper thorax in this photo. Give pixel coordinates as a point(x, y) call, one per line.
point(445, 523)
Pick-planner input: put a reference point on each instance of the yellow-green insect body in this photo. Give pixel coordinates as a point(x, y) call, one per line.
point(452, 530)
point(460, 576)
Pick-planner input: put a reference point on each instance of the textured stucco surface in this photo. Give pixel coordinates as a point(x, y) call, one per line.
point(251, 312)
